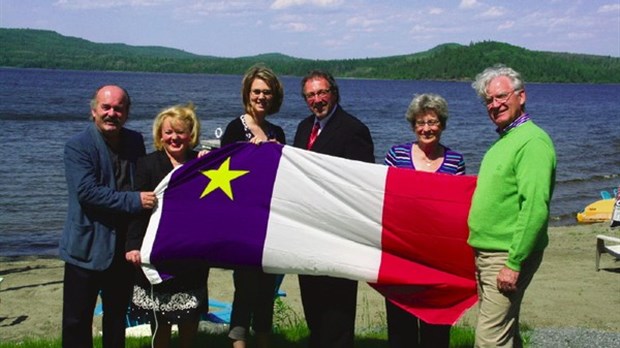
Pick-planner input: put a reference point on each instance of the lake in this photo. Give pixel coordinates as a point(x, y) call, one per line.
point(41, 109)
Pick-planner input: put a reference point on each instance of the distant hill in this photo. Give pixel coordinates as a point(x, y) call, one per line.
point(28, 48)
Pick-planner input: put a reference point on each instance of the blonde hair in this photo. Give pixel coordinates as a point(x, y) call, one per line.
point(179, 113)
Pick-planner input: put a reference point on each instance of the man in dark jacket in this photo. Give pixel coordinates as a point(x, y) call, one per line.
point(99, 167)
point(329, 303)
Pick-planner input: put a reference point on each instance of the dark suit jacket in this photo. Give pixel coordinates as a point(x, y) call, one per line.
point(343, 136)
point(329, 303)
point(95, 206)
point(150, 171)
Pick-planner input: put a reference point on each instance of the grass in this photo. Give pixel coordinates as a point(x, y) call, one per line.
point(295, 337)
point(289, 330)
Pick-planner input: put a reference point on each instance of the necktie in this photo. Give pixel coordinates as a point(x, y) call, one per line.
point(313, 134)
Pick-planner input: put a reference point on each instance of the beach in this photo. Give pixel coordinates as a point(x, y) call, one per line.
point(566, 292)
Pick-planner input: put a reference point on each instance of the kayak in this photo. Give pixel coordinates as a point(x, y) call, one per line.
point(599, 211)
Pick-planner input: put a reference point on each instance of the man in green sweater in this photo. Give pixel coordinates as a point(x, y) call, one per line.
point(510, 207)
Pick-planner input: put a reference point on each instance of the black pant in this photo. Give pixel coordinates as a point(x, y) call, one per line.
point(406, 330)
point(81, 287)
point(329, 306)
point(252, 302)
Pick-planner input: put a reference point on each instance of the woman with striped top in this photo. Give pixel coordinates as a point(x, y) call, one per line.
point(428, 115)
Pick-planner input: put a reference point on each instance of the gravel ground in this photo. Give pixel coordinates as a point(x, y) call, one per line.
point(574, 338)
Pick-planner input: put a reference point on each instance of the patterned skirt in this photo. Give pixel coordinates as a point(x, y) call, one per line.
point(175, 301)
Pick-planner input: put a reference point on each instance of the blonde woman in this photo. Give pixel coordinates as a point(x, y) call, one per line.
point(181, 300)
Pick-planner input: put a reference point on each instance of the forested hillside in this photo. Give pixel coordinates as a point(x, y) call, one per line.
point(28, 48)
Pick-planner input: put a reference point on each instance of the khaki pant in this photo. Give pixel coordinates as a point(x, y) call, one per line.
point(498, 314)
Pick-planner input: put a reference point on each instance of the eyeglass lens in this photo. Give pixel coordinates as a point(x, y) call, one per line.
point(500, 98)
point(265, 92)
point(430, 123)
point(320, 93)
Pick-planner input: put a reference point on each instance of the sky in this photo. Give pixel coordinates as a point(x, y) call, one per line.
point(326, 29)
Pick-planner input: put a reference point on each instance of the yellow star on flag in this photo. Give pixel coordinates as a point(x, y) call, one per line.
point(221, 178)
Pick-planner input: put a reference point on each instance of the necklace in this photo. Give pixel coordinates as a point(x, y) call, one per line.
point(429, 162)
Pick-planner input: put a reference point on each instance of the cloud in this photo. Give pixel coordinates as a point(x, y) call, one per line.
point(469, 4)
point(99, 4)
point(560, 23)
point(282, 4)
point(332, 43)
point(422, 29)
point(435, 11)
point(363, 22)
point(493, 12)
point(297, 27)
point(292, 26)
point(191, 10)
point(506, 25)
point(609, 8)
point(579, 36)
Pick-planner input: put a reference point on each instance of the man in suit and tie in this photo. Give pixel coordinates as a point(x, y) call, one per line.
point(329, 303)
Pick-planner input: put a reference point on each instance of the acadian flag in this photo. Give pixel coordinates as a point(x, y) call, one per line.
point(288, 210)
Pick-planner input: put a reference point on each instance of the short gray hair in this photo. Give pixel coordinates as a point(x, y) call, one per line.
point(484, 78)
point(423, 103)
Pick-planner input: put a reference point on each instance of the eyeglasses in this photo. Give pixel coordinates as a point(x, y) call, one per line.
point(430, 123)
point(265, 92)
point(320, 93)
point(500, 98)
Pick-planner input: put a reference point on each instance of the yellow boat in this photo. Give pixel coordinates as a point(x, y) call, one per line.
point(599, 211)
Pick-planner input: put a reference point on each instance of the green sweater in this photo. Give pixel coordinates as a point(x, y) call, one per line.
point(510, 207)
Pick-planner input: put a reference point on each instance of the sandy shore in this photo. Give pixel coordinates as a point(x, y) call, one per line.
point(566, 292)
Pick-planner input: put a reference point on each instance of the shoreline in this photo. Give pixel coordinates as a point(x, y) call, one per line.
point(52, 252)
point(566, 292)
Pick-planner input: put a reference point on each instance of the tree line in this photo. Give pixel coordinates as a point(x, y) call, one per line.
point(28, 48)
